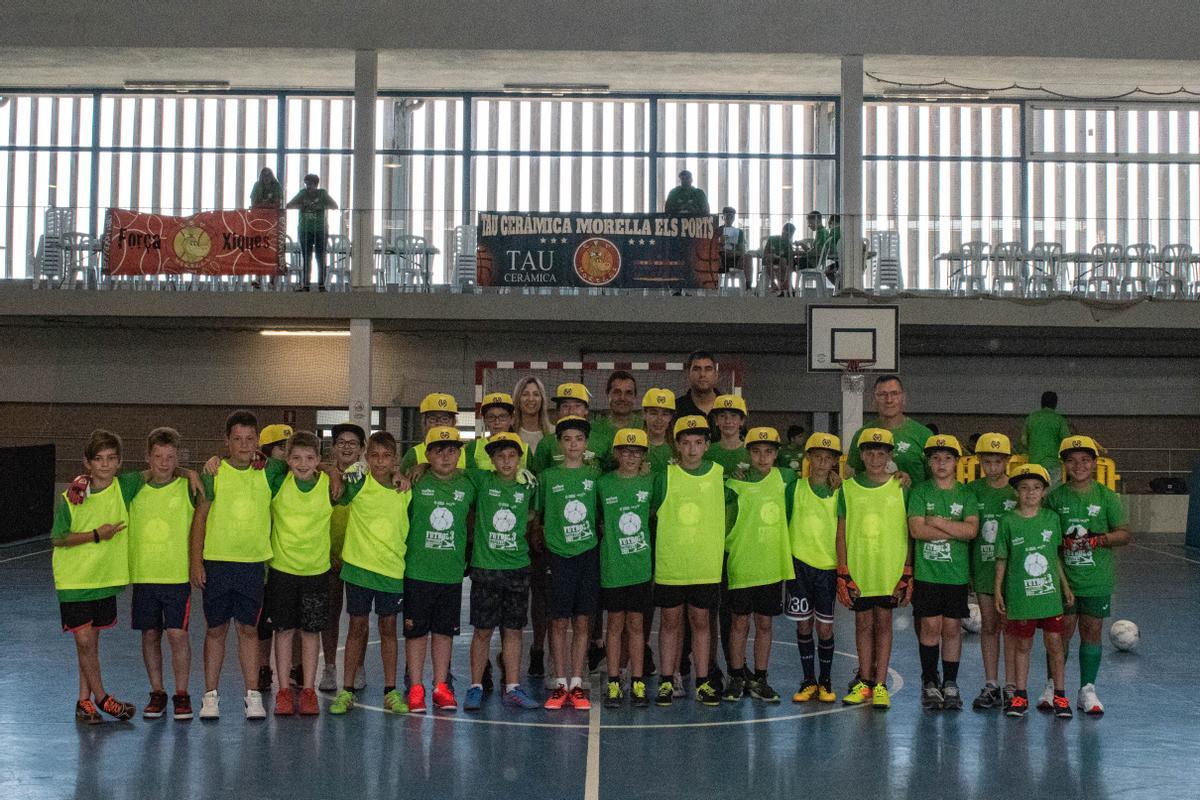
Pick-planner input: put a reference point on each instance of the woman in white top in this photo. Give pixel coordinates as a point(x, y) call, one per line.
point(532, 420)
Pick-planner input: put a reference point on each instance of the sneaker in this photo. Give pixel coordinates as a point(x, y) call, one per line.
point(951, 697)
point(1046, 700)
point(343, 702)
point(265, 678)
point(648, 665)
point(595, 657)
point(393, 702)
point(666, 693)
point(181, 702)
point(443, 698)
point(707, 695)
point(489, 684)
point(882, 701)
point(254, 705)
point(210, 705)
point(474, 699)
point(613, 697)
point(735, 690)
point(716, 680)
point(1017, 706)
point(117, 709)
point(156, 707)
point(1088, 703)
point(285, 702)
point(328, 679)
point(579, 698)
point(931, 697)
point(309, 706)
point(85, 712)
point(859, 693)
point(518, 698)
point(637, 694)
point(761, 690)
point(537, 663)
point(1007, 694)
point(558, 698)
point(360, 680)
point(806, 692)
point(416, 699)
point(825, 693)
point(1062, 707)
point(989, 697)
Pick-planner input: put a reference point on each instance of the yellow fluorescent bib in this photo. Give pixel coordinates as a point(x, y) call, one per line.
point(876, 536)
point(691, 528)
point(160, 519)
point(300, 527)
point(377, 531)
point(759, 544)
point(95, 565)
point(814, 527)
point(238, 527)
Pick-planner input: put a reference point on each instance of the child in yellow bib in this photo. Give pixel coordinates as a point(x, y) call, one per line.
point(348, 442)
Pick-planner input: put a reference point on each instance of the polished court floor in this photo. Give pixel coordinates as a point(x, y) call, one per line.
point(1144, 747)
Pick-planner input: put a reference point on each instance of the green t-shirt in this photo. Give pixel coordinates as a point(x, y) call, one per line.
point(548, 454)
point(501, 517)
point(992, 505)
point(732, 461)
point(659, 456)
point(1097, 510)
point(567, 502)
point(437, 533)
point(686, 201)
point(60, 527)
point(908, 452)
point(313, 206)
point(625, 555)
point(791, 456)
point(945, 560)
point(1042, 433)
point(1029, 546)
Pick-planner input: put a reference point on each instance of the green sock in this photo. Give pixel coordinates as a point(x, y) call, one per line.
point(1089, 662)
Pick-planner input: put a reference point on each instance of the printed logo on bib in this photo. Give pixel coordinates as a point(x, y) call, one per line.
point(1078, 558)
point(770, 513)
point(242, 508)
point(155, 531)
point(988, 531)
point(936, 551)
point(501, 536)
point(1038, 582)
point(441, 537)
point(689, 513)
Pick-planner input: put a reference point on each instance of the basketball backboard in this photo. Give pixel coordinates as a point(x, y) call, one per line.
point(866, 335)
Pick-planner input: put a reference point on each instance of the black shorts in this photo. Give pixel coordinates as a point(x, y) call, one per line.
point(700, 595)
point(636, 597)
point(360, 599)
point(233, 590)
point(940, 599)
point(431, 608)
point(812, 592)
point(499, 598)
point(159, 606)
point(99, 614)
point(574, 585)
point(297, 601)
point(766, 600)
point(861, 604)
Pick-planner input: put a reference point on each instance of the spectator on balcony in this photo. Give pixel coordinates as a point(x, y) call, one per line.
point(266, 192)
point(733, 241)
point(686, 200)
point(1041, 434)
point(778, 253)
point(832, 252)
point(313, 230)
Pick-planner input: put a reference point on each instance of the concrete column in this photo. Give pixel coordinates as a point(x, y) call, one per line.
point(850, 161)
point(366, 84)
point(360, 373)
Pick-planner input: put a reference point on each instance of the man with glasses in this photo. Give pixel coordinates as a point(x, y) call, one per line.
point(348, 443)
point(909, 436)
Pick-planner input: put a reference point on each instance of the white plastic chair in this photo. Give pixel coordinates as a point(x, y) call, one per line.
point(1009, 268)
point(1107, 271)
point(463, 275)
point(1141, 270)
point(1175, 264)
point(971, 276)
point(886, 277)
point(337, 250)
point(1046, 273)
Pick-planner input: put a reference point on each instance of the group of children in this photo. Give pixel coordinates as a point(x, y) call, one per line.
point(660, 513)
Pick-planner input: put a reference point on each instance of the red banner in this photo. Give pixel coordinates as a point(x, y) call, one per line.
point(246, 242)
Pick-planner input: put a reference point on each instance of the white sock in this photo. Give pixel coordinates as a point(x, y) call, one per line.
point(476, 685)
point(508, 687)
point(576, 683)
point(561, 682)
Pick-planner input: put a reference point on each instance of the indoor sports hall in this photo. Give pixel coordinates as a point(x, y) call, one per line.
point(884, 248)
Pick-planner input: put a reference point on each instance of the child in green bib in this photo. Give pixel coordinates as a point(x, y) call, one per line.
point(943, 518)
point(91, 567)
point(1031, 587)
point(758, 561)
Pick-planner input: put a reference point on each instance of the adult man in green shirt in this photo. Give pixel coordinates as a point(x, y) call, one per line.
point(1041, 434)
point(777, 255)
point(621, 390)
point(907, 460)
point(686, 200)
point(313, 202)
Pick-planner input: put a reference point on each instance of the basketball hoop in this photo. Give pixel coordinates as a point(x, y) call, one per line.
point(853, 379)
point(858, 365)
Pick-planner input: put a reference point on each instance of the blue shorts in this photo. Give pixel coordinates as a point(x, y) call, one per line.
point(812, 592)
point(159, 606)
point(359, 600)
point(574, 586)
point(233, 590)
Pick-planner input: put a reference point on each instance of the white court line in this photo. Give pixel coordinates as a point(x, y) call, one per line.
point(1165, 553)
point(25, 555)
point(591, 784)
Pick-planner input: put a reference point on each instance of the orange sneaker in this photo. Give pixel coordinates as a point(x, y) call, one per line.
point(416, 699)
point(443, 698)
point(558, 698)
point(579, 698)
point(85, 712)
point(285, 702)
point(115, 708)
point(309, 706)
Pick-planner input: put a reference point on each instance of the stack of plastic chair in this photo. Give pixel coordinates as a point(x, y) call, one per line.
point(886, 277)
point(465, 240)
point(338, 253)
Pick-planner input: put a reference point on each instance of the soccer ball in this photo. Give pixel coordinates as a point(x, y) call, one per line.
point(971, 622)
point(1124, 635)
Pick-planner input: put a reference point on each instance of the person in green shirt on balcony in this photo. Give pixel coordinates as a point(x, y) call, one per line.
point(313, 202)
point(686, 200)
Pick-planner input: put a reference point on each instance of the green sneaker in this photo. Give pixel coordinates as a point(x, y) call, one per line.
point(707, 695)
point(666, 691)
point(637, 692)
point(612, 698)
point(393, 702)
point(342, 702)
point(761, 690)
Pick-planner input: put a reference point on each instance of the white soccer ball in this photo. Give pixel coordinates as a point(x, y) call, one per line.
point(971, 623)
point(1124, 635)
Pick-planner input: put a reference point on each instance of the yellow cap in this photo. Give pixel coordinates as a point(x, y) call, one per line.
point(693, 423)
point(505, 439)
point(1079, 443)
point(730, 402)
point(439, 402)
point(993, 443)
point(497, 399)
point(1029, 471)
point(572, 391)
point(762, 435)
point(273, 434)
point(440, 434)
point(658, 398)
point(631, 437)
point(823, 441)
point(572, 422)
point(943, 441)
point(876, 437)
